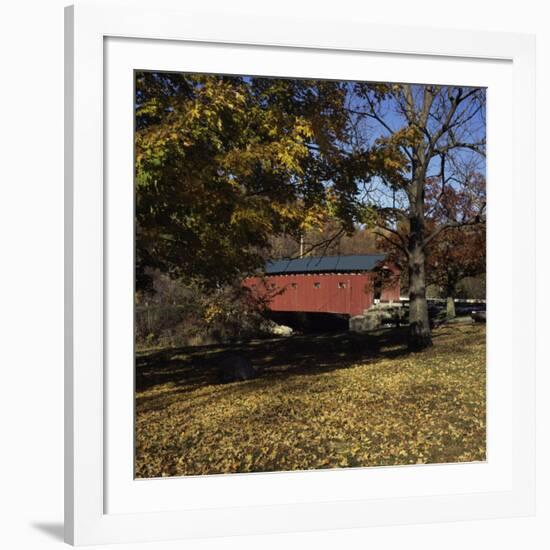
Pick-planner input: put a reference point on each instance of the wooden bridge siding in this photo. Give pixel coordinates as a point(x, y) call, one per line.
point(356, 296)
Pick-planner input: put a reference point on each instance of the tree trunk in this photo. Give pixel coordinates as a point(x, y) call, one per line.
point(451, 313)
point(420, 335)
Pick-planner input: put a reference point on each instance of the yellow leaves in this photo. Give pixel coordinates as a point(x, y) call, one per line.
point(225, 163)
point(392, 409)
point(213, 312)
point(408, 136)
point(314, 218)
point(250, 218)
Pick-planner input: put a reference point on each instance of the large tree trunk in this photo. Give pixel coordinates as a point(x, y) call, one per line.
point(420, 335)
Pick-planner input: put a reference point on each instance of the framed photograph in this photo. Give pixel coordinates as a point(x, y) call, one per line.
point(299, 274)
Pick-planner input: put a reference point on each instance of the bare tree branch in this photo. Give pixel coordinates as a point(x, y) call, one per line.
point(325, 243)
point(403, 248)
point(474, 221)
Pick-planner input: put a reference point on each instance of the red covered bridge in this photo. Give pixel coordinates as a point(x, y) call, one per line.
point(328, 284)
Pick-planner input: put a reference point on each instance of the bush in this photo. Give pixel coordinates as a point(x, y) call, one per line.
point(178, 313)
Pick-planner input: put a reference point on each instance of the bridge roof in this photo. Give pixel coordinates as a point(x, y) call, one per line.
point(324, 264)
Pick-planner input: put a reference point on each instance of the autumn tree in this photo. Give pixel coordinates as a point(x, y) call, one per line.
point(224, 163)
point(422, 132)
point(459, 251)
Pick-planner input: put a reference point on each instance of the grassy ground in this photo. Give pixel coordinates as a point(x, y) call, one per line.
point(322, 402)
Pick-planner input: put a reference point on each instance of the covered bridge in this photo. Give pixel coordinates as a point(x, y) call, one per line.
point(329, 284)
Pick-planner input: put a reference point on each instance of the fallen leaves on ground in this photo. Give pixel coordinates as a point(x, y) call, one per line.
point(392, 408)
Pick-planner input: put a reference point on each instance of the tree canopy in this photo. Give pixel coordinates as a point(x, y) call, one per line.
point(223, 163)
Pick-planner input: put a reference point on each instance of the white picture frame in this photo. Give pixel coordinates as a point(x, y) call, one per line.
point(103, 503)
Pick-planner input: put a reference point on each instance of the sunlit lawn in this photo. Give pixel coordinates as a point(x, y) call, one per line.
point(322, 402)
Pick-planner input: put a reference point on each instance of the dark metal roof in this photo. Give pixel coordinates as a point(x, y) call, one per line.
point(319, 264)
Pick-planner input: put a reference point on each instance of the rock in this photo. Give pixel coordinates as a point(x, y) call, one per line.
point(282, 330)
point(366, 322)
point(356, 323)
point(234, 368)
point(270, 327)
point(383, 313)
point(388, 313)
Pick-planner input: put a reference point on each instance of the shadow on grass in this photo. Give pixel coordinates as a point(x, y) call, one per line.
point(192, 367)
